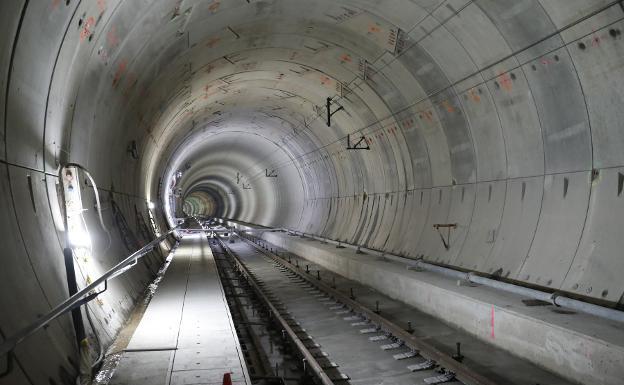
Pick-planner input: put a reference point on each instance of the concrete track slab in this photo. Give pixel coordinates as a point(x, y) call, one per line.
point(492, 319)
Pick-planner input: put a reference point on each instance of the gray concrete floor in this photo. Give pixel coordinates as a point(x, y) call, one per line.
point(186, 335)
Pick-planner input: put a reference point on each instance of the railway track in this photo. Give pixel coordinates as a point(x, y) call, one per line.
point(334, 333)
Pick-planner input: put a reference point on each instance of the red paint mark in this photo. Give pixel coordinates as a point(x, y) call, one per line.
point(214, 6)
point(86, 31)
point(325, 80)
point(449, 108)
point(474, 96)
point(55, 4)
point(492, 323)
point(121, 69)
point(505, 81)
point(213, 42)
point(111, 38)
point(595, 39)
point(374, 28)
point(101, 4)
point(345, 58)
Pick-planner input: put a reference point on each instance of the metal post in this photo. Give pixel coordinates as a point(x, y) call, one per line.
point(72, 286)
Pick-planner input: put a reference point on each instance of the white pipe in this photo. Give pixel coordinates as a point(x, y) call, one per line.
point(554, 298)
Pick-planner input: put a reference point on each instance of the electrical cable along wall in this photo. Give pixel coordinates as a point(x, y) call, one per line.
point(501, 118)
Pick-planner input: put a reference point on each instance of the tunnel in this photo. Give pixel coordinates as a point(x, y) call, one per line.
point(462, 158)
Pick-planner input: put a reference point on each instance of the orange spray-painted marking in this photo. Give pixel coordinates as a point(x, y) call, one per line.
point(374, 28)
point(448, 106)
point(214, 6)
point(212, 42)
point(86, 29)
point(474, 96)
point(505, 81)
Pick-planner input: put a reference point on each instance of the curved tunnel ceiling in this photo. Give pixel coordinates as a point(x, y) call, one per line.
point(500, 116)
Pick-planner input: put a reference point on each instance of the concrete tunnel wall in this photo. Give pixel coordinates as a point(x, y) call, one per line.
point(501, 116)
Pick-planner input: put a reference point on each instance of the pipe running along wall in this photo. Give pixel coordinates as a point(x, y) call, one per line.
point(502, 117)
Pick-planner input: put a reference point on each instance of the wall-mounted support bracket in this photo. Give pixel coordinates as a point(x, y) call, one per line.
point(9, 364)
point(448, 226)
point(272, 174)
point(329, 111)
point(246, 186)
point(361, 144)
point(133, 150)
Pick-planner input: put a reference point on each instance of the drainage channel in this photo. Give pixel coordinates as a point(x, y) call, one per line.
point(344, 331)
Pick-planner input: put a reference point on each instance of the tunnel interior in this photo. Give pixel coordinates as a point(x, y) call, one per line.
point(483, 135)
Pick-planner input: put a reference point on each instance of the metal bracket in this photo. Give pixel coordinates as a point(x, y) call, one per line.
point(357, 145)
point(446, 241)
point(9, 365)
point(272, 174)
point(91, 296)
point(133, 150)
point(329, 111)
point(246, 186)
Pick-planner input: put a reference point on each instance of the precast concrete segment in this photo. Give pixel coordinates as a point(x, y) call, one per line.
point(186, 335)
point(327, 324)
point(576, 346)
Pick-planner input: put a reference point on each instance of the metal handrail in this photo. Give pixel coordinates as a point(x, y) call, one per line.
point(80, 297)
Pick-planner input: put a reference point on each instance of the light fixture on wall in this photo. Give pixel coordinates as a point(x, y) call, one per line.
point(79, 238)
point(151, 205)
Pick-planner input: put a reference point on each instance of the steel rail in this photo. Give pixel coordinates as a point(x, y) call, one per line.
point(78, 299)
point(425, 349)
point(309, 358)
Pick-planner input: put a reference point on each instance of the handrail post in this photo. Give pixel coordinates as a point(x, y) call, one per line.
point(72, 286)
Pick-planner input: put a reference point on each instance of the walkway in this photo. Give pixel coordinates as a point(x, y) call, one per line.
point(186, 335)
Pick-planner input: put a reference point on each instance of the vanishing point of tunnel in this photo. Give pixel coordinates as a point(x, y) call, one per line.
point(366, 192)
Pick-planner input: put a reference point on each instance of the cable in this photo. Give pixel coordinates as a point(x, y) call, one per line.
point(101, 355)
point(97, 339)
point(97, 200)
point(95, 191)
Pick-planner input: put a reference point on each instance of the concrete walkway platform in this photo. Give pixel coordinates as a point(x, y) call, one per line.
point(186, 335)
